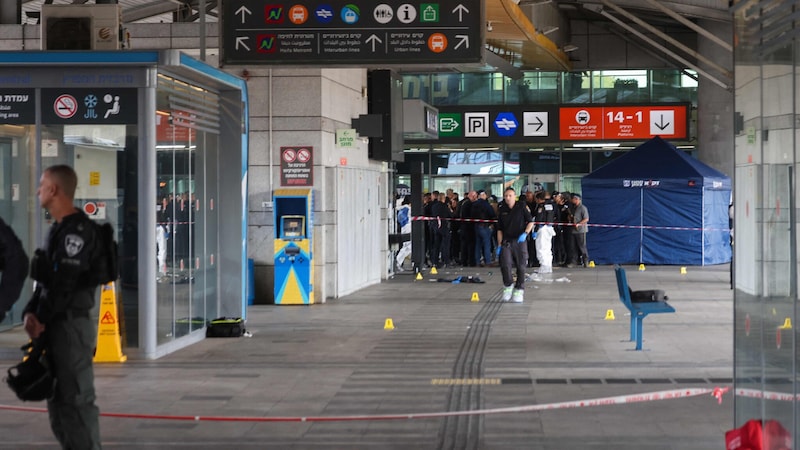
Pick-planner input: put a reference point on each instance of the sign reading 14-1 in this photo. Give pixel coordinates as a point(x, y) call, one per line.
point(349, 32)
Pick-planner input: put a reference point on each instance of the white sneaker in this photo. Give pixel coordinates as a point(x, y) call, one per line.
point(517, 296)
point(507, 291)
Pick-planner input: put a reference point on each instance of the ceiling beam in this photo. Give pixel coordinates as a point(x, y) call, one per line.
point(669, 39)
point(667, 51)
point(688, 23)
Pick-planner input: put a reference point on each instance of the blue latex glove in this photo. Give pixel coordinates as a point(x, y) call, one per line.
point(522, 237)
point(497, 251)
point(534, 235)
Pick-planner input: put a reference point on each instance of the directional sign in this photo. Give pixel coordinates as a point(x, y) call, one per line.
point(497, 123)
point(534, 123)
point(630, 122)
point(552, 123)
point(341, 32)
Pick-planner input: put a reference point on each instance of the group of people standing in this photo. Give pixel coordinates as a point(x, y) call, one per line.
point(459, 231)
point(463, 232)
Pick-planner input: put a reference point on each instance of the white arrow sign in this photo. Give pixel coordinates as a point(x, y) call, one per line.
point(534, 123)
point(373, 39)
point(461, 10)
point(463, 39)
point(240, 41)
point(243, 11)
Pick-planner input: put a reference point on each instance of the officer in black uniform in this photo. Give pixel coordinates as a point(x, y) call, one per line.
point(440, 227)
point(14, 267)
point(514, 224)
point(59, 310)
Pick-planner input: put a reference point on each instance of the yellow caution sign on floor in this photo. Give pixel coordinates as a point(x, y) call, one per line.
point(109, 344)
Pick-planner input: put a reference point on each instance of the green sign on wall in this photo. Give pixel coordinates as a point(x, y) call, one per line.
point(450, 125)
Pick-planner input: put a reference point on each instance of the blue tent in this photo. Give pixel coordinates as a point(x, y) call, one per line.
point(657, 205)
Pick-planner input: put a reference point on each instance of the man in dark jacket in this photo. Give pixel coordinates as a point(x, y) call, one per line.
point(14, 268)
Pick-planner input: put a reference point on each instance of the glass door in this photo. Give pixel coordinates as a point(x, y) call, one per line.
point(188, 155)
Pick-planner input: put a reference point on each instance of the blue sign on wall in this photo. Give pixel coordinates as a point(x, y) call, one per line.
point(506, 124)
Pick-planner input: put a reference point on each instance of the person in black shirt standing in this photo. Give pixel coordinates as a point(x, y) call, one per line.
point(514, 224)
point(440, 228)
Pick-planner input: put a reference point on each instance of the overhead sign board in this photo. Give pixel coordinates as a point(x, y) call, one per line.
point(349, 32)
point(640, 122)
point(554, 123)
point(497, 123)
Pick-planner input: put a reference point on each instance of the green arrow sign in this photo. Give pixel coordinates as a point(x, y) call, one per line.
point(450, 125)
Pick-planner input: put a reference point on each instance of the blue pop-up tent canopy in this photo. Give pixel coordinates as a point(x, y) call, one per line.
point(657, 205)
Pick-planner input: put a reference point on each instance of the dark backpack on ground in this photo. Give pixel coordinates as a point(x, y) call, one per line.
point(225, 327)
point(652, 295)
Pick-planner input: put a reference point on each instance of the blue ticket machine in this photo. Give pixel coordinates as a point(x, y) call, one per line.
point(294, 268)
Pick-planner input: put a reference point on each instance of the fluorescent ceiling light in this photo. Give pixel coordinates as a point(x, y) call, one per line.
point(597, 144)
point(548, 29)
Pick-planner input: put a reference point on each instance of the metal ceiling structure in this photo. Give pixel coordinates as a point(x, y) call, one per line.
point(520, 34)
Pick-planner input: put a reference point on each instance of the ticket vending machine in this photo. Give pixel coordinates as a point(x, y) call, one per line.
point(294, 268)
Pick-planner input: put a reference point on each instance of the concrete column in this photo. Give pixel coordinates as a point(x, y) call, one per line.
point(293, 107)
point(715, 104)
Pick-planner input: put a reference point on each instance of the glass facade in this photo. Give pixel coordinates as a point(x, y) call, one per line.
point(144, 140)
point(765, 222)
point(555, 165)
point(187, 156)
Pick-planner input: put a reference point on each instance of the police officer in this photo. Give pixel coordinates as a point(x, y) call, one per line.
point(59, 310)
point(440, 227)
point(14, 267)
point(514, 224)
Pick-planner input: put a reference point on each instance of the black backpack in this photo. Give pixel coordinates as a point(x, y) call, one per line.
point(105, 266)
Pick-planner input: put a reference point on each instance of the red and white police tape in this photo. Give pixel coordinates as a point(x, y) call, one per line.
point(566, 224)
point(603, 401)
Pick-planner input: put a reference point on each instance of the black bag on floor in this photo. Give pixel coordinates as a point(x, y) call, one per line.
point(31, 379)
point(653, 295)
point(225, 327)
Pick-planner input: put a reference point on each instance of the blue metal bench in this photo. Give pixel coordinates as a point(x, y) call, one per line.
point(638, 310)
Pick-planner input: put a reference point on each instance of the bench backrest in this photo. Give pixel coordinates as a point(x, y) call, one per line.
point(622, 286)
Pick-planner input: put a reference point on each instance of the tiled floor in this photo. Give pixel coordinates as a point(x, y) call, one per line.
point(335, 363)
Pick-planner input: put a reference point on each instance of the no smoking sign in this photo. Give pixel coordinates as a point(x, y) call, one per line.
point(65, 106)
point(297, 166)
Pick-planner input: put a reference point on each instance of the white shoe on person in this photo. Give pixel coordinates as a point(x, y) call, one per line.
point(516, 297)
point(507, 292)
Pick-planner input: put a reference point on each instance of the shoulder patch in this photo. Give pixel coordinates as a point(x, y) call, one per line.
point(73, 244)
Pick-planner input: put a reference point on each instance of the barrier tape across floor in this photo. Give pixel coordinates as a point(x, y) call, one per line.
point(717, 392)
point(568, 224)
